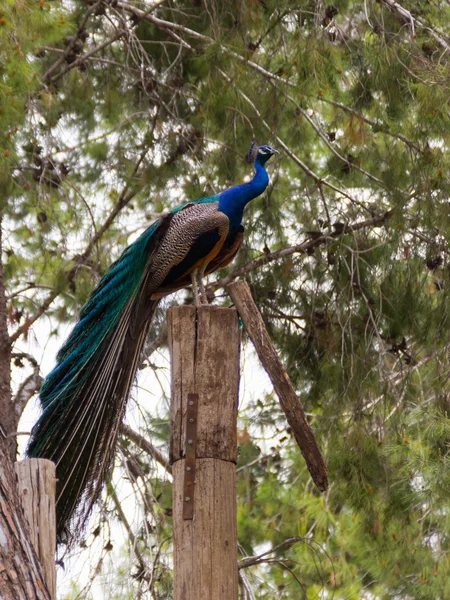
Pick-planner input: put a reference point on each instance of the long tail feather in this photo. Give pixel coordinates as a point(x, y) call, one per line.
point(85, 396)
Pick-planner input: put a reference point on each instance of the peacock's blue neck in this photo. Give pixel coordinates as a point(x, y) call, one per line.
point(233, 201)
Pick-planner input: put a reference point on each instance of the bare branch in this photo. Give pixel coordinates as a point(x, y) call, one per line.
point(73, 40)
point(28, 387)
point(289, 400)
point(330, 146)
point(247, 589)
point(408, 17)
point(254, 560)
point(84, 57)
point(145, 445)
point(374, 124)
point(304, 247)
point(30, 320)
point(144, 568)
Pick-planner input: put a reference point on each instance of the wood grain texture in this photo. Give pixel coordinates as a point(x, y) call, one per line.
point(205, 548)
point(205, 346)
point(20, 572)
point(36, 482)
point(290, 402)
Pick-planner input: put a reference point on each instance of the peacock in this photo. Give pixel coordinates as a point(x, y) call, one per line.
point(84, 397)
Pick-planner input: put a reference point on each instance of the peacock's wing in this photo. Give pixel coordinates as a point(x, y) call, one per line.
point(228, 251)
point(208, 230)
point(85, 395)
point(180, 276)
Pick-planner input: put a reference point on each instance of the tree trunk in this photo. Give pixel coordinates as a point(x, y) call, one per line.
point(36, 479)
point(20, 572)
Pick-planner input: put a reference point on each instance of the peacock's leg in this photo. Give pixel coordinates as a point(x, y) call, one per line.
point(195, 287)
point(203, 295)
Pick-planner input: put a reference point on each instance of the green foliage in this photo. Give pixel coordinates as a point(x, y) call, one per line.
point(126, 126)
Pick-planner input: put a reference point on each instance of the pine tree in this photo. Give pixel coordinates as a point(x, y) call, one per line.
point(112, 111)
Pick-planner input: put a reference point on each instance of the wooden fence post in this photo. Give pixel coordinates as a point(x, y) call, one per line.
point(36, 482)
point(204, 347)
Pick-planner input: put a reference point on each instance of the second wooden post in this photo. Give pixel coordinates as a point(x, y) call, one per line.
point(204, 347)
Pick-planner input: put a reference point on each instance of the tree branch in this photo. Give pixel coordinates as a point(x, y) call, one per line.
point(304, 247)
point(30, 320)
point(124, 199)
point(145, 445)
point(255, 560)
point(289, 401)
point(373, 124)
point(72, 41)
point(330, 146)
point(407, 16)
point(79, 259)
point(145, 570)
point(168, 25)
point(319, 180)
point(28, 387)
point(84, 57)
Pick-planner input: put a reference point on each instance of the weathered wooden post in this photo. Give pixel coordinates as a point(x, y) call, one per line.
point(37, 487)
point(204, 346)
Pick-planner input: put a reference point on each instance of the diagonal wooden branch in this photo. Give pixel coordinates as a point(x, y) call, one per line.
point(290, 402)
point(144, 444)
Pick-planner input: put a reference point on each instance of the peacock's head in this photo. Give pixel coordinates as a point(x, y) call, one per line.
point(260, 154)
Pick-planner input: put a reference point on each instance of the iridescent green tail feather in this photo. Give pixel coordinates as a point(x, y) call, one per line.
point(84, 397)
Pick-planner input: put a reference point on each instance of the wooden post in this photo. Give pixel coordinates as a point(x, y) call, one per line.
point(37, 487)
point(204, 347)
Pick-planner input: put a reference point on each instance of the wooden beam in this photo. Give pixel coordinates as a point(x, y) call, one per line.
point(204, 347)
point(290, 402)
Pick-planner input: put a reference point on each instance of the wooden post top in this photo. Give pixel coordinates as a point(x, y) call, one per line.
point(204, 344)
